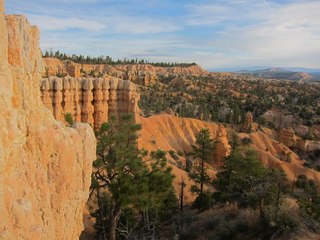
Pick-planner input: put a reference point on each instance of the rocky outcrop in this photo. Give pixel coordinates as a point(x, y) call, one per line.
point(287, 137)
point(142, 74)
point(45, 167)
point(247, 125)
point(89, 100)
point(222, 147)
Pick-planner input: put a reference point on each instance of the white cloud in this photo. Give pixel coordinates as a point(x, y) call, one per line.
point(226, 33)
point(141, 25)
point(287, 35)
point(56, 23)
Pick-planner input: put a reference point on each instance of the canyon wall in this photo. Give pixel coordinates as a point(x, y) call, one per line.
point(45, 167)
point(89, 100)
point(142, 74)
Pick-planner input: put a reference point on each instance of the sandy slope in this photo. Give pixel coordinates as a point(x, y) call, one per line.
point(169, 132)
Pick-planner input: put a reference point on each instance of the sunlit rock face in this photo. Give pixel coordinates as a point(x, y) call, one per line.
point(142, 74)
point(89, 100)
point(45, 167)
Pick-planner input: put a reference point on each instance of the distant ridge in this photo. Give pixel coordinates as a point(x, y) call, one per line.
point(306, 75)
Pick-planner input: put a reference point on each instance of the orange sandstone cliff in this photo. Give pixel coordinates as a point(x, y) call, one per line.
point(45, 167)
point(169, 132)
point(142, 74)
point(89, 100)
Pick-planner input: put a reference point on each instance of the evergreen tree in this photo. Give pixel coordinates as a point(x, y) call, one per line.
point(309, 201)
point(202, 152)
point(248, 183)
point(131, 177)
point(242, 170)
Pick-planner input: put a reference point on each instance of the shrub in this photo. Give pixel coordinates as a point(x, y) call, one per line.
point(306, 164)
point(246, 141)
point(180, 153)
point(188, 165)
point(173, 155)
point(205, 203)
point(68, 118)
point(301, 181)
point(287, 220)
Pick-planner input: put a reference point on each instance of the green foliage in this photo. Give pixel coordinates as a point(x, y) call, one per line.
point(108, 60)
point(246, 141)
point(309, 201)
point(189, 165)
point(133, 178)
point(245, 181)
point(286, 221)
point(204, 202)
point(169, 205)
point(69, 119)
point(173, 155)
point(202, 153)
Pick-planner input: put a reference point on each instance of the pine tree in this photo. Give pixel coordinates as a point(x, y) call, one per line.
point(248, 183)
point(202, 152)
point(133, 178)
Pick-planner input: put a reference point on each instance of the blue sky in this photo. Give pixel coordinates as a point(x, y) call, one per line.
point(215, 34)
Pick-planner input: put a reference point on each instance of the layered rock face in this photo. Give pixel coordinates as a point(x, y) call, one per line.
point(247, 125)
point(142, 74)
point(222, 148)
point(89, 100)
point(287, 137)
point(45, 167)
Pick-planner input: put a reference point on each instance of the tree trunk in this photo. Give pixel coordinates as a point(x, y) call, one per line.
point(114, 223)
point(102, 218)
point(277, 201)
point(201, 180)
point(181, 196)
point(261, 211)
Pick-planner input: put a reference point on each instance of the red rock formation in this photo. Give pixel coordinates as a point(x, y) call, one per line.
point(89, 100)
point(247, 126)
point(287, 137)
point(142, 74)
point(222, 148)
point(45, 167)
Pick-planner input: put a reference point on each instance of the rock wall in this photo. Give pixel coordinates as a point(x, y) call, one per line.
point(248, 122)
point(142, 74)
point(222, 147)
point(287, 137)
point(89, 100)
point(45, 167)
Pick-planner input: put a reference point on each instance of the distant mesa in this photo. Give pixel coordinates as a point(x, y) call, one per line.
point(283, 73)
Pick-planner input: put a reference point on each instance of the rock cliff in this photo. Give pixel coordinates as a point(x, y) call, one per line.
point(89, 100)
point(142, 74)
point(45, 167)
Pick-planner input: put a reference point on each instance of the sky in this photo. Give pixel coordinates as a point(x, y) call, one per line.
point(216, 34)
